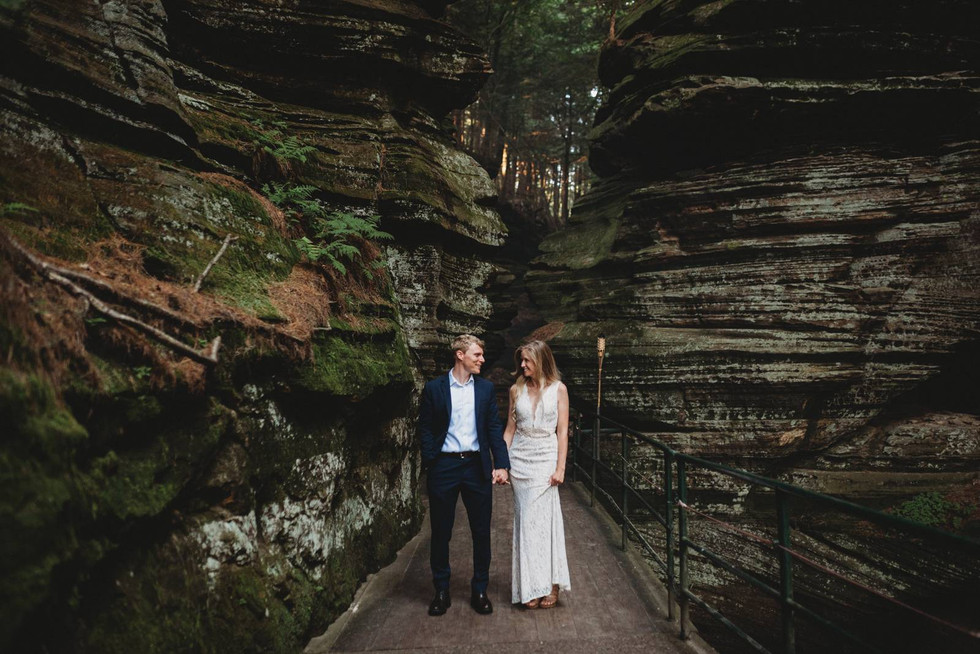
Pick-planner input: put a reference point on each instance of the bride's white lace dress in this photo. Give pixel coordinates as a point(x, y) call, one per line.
point(539, 533)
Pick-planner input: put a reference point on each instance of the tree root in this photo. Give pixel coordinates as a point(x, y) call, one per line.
point(61, 276)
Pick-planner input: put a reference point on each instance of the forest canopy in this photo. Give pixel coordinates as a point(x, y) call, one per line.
point(530, 124)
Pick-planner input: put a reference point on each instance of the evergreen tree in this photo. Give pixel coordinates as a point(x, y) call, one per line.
point(530, 124)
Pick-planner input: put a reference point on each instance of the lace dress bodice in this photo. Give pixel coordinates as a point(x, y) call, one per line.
point(539, 421)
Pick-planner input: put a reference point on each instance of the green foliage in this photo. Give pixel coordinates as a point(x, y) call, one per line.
point(295, 200)
point(545, 90)
point(335, 234)
point(933, 510)
point(274, 140)
point(40, 437)
point(15, 208)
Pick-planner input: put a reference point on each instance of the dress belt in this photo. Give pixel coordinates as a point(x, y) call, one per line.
point(459, 455)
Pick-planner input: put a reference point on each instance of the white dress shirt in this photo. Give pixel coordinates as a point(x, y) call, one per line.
point(462, 419)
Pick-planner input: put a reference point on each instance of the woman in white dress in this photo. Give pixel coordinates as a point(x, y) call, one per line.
point(537, 436)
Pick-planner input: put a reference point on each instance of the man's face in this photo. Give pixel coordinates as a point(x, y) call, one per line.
point(472, 359)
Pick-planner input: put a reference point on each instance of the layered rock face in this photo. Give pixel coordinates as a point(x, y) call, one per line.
point(783, 246)
point(151, 503)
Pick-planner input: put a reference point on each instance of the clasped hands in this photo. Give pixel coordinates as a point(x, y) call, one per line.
point(501, 477)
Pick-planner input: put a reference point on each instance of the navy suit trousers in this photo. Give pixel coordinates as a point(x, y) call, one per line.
point(448, 478)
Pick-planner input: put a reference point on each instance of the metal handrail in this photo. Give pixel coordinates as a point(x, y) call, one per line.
point(674, 556)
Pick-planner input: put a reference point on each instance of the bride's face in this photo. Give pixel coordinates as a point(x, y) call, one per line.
point(527, 365)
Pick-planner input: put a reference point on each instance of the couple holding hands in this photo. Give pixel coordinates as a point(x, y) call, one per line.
point(466, 450)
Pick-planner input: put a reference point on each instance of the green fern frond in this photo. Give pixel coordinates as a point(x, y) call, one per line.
point(16, 207)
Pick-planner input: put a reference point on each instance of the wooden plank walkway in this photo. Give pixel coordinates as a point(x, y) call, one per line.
point(616, 604)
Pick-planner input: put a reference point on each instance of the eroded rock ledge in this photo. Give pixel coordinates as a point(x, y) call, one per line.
point(783, 249)
point(781, 297)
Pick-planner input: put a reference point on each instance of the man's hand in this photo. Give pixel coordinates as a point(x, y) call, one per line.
point(500, 476)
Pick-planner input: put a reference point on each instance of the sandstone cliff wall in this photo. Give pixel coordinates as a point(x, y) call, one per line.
point(783, 248)
point(783, 251)
point(151, 503)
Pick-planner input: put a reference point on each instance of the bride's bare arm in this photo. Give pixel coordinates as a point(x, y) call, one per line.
point(562, 429)
point(511, 423)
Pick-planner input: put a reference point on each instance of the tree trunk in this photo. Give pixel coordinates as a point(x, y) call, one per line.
point(566, 164)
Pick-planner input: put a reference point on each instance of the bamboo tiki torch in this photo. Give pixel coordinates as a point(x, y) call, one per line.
point(601, 349)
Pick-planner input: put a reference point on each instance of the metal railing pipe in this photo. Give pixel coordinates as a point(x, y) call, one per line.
point(625, 454)
point(682, 527)
point(785, 573)
point(576, 446)
point(678, 547)
point(595, 458)
point(669, 529)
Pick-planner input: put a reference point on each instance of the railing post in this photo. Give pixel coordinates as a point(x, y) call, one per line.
point(595, 458)
point(625, 454)
point(786, 574)
point(576, 444)
point(682, 526)
point(669, 527)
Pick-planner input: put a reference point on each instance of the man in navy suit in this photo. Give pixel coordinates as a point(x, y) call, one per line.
point(464, 452)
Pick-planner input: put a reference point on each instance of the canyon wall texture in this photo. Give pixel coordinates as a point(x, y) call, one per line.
point(783, 248)
point(153, 501)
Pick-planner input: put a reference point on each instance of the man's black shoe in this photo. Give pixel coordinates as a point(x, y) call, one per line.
point(481, 603)
point(440, 603)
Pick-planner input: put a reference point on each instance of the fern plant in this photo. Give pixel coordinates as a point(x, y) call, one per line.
point(336, 234)
point(295, 200)
point(16, 207)
point(280, 145)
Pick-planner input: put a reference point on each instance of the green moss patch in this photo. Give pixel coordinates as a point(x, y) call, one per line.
point(350, 366)
point(579, 246)
point(66, 215)
point(156, 450)
point(39, 440)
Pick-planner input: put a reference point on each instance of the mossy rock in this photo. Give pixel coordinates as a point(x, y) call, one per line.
point(36, 485)
point(188, 231)
point(157, 447)
point(579, 246)
point(592, 228)
point(66, 214)
point(355, 366)
point(156, 602)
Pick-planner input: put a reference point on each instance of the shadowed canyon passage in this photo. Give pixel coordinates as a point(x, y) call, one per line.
point(781, 243)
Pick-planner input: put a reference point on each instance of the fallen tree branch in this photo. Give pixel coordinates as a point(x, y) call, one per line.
point(121, 297)
point(224, 246)
point(56, 275)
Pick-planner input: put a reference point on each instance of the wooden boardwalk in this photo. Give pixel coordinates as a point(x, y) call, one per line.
point(616, 604)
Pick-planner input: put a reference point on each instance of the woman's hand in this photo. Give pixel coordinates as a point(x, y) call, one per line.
point(557, 478)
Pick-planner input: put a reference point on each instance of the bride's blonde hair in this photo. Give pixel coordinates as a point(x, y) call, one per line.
point(545, 370)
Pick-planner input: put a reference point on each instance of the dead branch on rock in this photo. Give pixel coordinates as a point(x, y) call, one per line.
point(224, 246)
point(128, 299)
point(57, 275)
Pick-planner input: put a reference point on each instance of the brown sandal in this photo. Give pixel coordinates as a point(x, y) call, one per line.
point(533, 604)
point(551, 599)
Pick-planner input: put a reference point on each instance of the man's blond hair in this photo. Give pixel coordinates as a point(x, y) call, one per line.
point(463, 342)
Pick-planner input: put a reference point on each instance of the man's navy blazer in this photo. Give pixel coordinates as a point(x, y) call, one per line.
point(434, 412)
